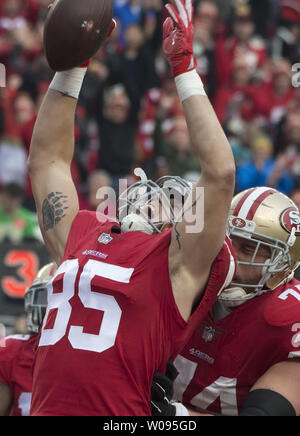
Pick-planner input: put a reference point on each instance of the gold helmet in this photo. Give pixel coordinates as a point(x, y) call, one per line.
point(35, 299)
point(270, 218)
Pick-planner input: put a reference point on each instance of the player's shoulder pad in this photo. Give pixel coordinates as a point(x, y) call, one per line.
point(88, 221)
point(95, 217)
point(283, 305)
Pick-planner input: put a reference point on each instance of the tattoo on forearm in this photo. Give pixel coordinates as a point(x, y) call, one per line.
point(53, 209)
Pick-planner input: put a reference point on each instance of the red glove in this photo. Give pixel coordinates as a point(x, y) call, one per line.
point(178, 35)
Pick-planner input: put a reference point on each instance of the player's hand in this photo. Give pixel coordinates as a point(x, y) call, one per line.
point(162, 392)
point(178, 35)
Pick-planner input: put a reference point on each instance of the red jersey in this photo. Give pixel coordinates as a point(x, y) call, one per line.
point(112, 321)
point(16, 360)
point(223, 359)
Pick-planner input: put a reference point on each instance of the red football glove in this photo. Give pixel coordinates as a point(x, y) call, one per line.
point(178, 35)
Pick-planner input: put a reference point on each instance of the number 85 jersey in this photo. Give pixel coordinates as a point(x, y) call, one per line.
point(111, 321)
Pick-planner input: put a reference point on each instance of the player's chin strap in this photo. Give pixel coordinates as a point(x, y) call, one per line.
point(134, 222)
point(236, 295)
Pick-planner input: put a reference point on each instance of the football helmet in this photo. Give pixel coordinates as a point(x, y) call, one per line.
point(35, 299)
point(271, 219)
point(147, 205)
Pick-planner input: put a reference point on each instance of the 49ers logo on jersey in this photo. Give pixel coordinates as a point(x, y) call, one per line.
point(290, 219)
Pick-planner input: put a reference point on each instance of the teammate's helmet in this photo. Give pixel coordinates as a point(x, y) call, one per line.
point(169, 193)
point(35, 299)
point(271, 219)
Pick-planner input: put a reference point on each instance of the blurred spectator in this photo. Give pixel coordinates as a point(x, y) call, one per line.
point(129, 113)
point(160, 106)
point(295, 196)
point(98, 191)
point(175, 153)
point(16, 223)
point(273, 101)
point(243, 42)
point(117, 128)
point(290, 146)
point(263, 169)
point(20, 325)
point(127, 12)
point(12, 15)
point(206, 28)
point(133, 67)
point(143, 12)
point(290, 10)
point(12, 161)
point(232, 99)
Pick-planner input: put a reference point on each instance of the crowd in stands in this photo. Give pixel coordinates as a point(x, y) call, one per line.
point(129, 115)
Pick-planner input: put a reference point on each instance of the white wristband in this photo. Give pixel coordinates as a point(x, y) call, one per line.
point(69, 82)
point(189, 84)
point(180, 409)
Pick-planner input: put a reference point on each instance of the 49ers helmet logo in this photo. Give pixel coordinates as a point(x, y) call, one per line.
point(290, 219)
point(238, 222)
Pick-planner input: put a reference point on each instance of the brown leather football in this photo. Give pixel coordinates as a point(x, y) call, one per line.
point(74, 31)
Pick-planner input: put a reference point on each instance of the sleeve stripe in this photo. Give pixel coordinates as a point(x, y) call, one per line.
point(18, 337)
point(293, 354)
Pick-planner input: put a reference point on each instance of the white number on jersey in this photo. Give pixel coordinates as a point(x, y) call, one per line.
point(292, 292)
point(223, 388)
point(24, 403)
point(107, 304)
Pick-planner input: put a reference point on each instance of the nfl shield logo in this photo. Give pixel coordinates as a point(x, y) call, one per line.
point(208, 334)
point(105, 238)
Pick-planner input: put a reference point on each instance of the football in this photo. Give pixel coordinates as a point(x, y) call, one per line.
point(74, 31)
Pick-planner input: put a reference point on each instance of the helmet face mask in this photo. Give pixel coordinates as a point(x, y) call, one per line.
point(148, 205)
point(278, 261)
point(36, 296)
point(35, 306)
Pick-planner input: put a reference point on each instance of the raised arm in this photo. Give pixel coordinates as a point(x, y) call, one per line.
point(194, 248)
point(49, 163)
